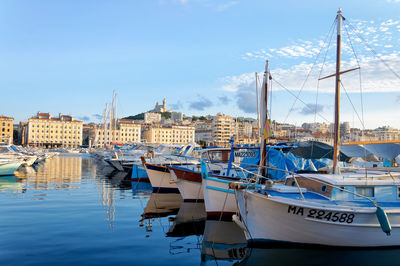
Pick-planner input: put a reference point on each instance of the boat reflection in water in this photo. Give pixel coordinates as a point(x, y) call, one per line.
point(296, 255)
point(223, 240)
point(141, 188)
point(160, 205)
point(9, 183)
point(190, 220)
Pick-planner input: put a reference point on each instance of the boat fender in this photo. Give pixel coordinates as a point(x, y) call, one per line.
point(237, 185)
point(383, 220)
point(238, 222)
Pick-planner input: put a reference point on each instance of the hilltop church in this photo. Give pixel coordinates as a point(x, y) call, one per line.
point(161, 108)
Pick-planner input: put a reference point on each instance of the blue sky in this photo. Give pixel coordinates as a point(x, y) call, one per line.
point(68, 57)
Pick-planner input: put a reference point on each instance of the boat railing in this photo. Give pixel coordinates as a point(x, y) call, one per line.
point(295, 175)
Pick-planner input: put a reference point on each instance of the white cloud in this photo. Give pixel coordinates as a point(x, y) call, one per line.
point(226, 5)
point(233, 83)
point(381, 35)
point(376, 77)
point(300, 49)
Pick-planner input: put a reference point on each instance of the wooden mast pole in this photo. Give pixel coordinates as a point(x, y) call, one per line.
point(336, 137)
point(265, 114)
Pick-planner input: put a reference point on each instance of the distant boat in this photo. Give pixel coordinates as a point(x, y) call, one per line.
point(8, 167)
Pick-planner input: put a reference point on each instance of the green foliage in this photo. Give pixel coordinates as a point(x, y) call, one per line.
point(201, 118)
point(166, 115)
point(135, 117)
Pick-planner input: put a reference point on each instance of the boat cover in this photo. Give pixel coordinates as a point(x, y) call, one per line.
point(317, 150)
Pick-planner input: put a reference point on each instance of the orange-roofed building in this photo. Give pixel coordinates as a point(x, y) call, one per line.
point(43, 130)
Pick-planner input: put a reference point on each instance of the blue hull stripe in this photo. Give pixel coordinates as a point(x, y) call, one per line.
point(221, 189)
point(219, 180)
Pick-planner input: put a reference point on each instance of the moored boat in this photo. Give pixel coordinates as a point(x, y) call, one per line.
point(337, 207)
point(8, 167)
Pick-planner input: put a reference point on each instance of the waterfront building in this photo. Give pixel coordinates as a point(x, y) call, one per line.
point(387, 133)
point(204, 131)
point(6, 129)
point(176, 117)
point(344, 129)
point(223, 129)
point(318, 127)
point(151, 117)
point(174, 134)
point(243, 128)
point(125, 131)
point(46, 131)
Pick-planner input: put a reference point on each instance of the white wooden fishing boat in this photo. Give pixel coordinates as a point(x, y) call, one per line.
point(189, 179)
point(347, 207)
point(188, 182)
point(328, 210)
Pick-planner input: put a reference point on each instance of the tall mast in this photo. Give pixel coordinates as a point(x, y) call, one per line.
point(112, 129)
point(115, 119)
point(264, 108)
point(105, 126)
point(336, 136)
point(258, 111)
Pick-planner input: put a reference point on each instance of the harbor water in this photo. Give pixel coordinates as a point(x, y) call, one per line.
point(74, 210)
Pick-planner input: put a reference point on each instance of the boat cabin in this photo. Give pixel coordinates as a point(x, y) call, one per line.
point(351, 186)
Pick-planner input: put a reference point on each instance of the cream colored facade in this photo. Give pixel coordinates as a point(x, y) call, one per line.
point(175, 134)
point(6, 129)
point(152, 117)
point(46, 131)
point(246, 140)
point(223, 129)
point(126, 131)
point(204, 131)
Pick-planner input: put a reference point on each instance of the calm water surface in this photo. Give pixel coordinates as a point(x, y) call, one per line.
point(75, 210)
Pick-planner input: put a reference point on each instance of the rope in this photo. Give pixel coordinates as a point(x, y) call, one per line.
point(306, 105)
point(372, 50)
point(325, 183)
point(308, 74)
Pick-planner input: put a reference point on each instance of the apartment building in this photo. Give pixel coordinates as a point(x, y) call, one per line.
point(203, 130)
point(124, 131)
point(46, 131)
point(150, 117)
point(223, 129)
point(174, 134)
point(6, 129)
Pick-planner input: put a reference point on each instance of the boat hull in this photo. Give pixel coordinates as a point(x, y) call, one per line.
point(265, 219)
point(160, 178)
point(7, 169)
point(189, 184)
point(219, 199)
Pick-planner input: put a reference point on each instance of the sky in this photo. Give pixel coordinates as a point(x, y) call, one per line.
point(202, 55)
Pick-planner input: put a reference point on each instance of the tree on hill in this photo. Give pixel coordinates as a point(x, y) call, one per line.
point(135, 117)
point(166, 115)
point(201, 118)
